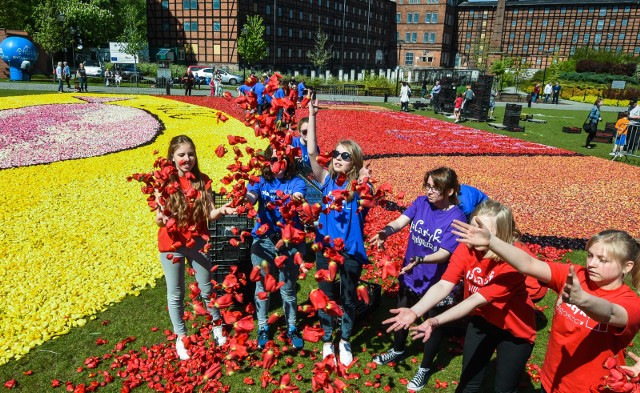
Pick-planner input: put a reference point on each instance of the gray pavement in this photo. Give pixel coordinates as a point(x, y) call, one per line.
point(176, 90)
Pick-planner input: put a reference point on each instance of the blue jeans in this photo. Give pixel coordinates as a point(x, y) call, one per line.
point(174, 274)
point(349, 276)
point(264, 250)
point(60, 85)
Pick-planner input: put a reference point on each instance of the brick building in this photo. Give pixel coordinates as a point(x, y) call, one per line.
point(538, 31)
point(361, 32)
point(426, 32)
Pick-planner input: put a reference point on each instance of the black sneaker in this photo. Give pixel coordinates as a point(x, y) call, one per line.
point(263, 338)
point(389, 356)
point(419, 380)
point(295, 338)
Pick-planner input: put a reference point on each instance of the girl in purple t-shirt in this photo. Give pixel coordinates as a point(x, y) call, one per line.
point(428, 250)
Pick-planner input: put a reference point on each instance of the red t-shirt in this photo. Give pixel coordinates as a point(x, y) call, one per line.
point(509, 306)
point(458, 102)
point(166, 240)
point(578, 346)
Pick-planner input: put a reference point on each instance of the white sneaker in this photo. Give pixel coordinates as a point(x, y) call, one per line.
point(181, 350)
point(613, 153)
point(327, 349)
point(218, 335)
point(346, 357)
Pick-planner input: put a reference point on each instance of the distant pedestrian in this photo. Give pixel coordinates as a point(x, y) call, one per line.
point(592, 121)
point(469, 96)
point(66, 71)
point(188, 82)
point(60, 77)
point(548, 89)
point(556, 92)
point(81, 74)
point(435, 96)
point(536, 93)
point(424, 89)
point(405, 93)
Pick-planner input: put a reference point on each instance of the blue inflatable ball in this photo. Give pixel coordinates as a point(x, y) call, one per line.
point(16, 50)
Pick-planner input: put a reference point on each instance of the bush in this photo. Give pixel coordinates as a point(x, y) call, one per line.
point(605, 67)
point(592, 77)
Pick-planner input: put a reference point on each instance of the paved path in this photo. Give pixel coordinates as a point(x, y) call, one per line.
point(53, 87)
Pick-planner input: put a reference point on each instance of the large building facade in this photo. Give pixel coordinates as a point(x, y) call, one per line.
point(361, 32)
point(538, 31)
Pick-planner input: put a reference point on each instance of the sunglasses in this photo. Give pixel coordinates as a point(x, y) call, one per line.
point(273, 160)
point(344, 155)
point(303, 131)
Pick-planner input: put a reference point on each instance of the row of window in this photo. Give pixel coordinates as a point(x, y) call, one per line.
point(190, 26)
point(337, 7)
point(563, 10)
point(427, 38)
point(409, 58)
point(527, 36)
point(414, 17)
point(190, 4)
point(420, 2)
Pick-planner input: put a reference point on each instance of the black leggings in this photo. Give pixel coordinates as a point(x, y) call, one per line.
point(408, 298)
point(590, 137)
point(481, 340)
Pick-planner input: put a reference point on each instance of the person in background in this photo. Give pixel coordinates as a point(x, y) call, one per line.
point(621, 134)
point(423, 92)
point(107, 76)
point(457, 107)
point(469, 96)
point(593, 119)
point(60, 77)
point(405, 93)
point(25, 67)
point(66, 71)
point(469, 198)
point(435, 96)
point(536, 93)
point(556, 92)
point(258, 90)
point(301, 89)
point(548, 90)
point(596, 315)
point(82, 77)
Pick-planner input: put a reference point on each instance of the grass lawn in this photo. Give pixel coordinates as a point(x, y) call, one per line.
point(135, 316)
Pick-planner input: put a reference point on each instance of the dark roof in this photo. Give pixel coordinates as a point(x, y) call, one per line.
point(542, 3)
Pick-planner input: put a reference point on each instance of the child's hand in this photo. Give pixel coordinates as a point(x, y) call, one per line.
point(572, 292)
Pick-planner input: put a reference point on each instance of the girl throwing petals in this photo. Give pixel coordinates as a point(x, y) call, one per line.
point(430, 245)
point(496, 296)
point(183, 230)
point(346, 224)
point(596, 315)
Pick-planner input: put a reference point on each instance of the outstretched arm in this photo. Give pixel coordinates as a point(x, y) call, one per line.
point(394, 226)
point(481, 238)
point(454, 313)
point(312, 143)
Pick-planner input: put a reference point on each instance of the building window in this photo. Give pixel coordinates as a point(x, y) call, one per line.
point(586, 38)
point(558, 36)
point(561, 23)
point(612, 23)
point(267, 30)
point(529, 22)
point(409, 17)
point(408, 58)
point(165, 26)
point(398, 18)
point(545, 23)
point(512, 35)
point(190, 4)
point(470, 23)
point(621, 36)
point(636, 51)
point(290, 34)
point(432, 38)
point(414, 37)
point(527, 35)
point(300, 16)
point(434, 17)
point(425, 38)
point(514, 23)
point(216, 26)
point(407, 37)
point(624, 22)
point(627, 8)
point(427, 18)
point(563, 10)
point(216, 4)
point(547, 10)
point(279, 31)
point(268, 10)
point(165, 4)
point(525, 48)
point(580, 10)
point(603, 11)
point(193, 26)
point(515, 12)
point(510, 48)
point(574, 39)
point(589, 22)
point(279, 11)
point(600, 24)
point(598, 38)
point(543, 37)
point(577, 22)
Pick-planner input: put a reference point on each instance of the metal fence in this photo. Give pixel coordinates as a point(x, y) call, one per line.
point(631, 144)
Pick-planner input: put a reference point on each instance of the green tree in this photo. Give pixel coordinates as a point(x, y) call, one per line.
point(320, 55)
point(48, 29)
point(252, 46)
point(498, 69)
point(16, 14)
point(134, 34)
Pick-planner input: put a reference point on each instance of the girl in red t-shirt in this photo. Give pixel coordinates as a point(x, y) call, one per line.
point(495, 294)
point(596, 315)
point(182, 218)
point(457, 107)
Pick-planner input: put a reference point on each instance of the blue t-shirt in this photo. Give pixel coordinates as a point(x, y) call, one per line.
point(303, 148)
point(347, 224)
point(301, 88)
point(266, 191)
point(469, 198)
point(244, 89)
point(258, 88)
point(430, 231)
point(279, 93)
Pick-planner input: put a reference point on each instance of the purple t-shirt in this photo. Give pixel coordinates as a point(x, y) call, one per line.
point(430, 231)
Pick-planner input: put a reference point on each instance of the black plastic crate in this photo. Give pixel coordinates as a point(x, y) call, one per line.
point(225, 224)
point(223, 270)
point(375, 294)
point(222, 249)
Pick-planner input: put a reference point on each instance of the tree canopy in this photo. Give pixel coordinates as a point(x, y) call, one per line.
point(321, 54)
point(252, 46)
